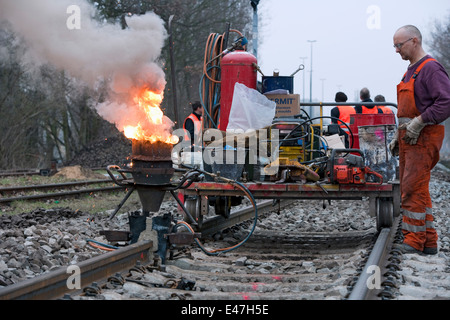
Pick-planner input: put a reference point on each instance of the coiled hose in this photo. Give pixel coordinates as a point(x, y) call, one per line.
point(249, 195)
point(209, 88)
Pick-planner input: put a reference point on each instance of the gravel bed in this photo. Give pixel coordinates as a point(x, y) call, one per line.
point(428, 277)
point(44, 240)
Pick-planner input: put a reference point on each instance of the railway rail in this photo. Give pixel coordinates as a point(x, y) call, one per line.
point(271, 265)
point(16, 173)
point(30, 172)
point(55, 285)
point(55, 195)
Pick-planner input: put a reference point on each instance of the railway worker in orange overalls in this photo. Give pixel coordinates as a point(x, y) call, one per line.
point(423, 106)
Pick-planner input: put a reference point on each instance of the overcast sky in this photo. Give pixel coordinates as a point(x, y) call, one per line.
point(354, 47)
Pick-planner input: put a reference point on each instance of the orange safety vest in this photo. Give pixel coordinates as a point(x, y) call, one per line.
point(344, 114)
point(416, 163)
point(366, 110)
point(385, 110)
point(197, 130)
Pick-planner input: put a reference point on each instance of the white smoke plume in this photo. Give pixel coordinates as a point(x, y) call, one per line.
point(94, 51)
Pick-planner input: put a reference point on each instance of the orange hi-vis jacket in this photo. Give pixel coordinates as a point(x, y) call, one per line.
point(366, 110)
point(344, 114)
point(196, 140)
point(416, 163)
point(385, 109)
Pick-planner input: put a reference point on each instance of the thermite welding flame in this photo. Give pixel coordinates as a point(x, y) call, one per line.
point(150, 102)
point(153, 129)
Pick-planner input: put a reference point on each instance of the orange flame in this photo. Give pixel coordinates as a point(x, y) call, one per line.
point(150, 102)
point(154, 129)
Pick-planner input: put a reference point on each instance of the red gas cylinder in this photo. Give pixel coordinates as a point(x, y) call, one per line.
point(237, 66)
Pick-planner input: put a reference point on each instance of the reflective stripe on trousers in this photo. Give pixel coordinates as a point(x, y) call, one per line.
point(418, 229)
point(418, 222)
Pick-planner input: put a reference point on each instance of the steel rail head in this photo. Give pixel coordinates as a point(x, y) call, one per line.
point(53, 285)
point(362, 290)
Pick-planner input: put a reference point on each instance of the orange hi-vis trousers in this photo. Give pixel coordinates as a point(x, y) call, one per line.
point(416, 163)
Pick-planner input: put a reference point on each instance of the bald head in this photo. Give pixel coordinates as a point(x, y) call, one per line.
point(410, 31)
point(408, 43)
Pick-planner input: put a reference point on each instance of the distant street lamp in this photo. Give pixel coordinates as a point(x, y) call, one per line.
point(311, 79)
point(323, 89)
point(303, 62)
point(172, 70)
point(254, 4)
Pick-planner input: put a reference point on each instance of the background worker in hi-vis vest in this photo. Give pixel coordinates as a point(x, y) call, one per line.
point(193, 126)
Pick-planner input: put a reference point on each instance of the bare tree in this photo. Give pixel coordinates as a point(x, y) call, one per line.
point(440, 48)
point(44, 114)
point(440, 42)
point(193, 22)
point(19, 107)
point(70, 124)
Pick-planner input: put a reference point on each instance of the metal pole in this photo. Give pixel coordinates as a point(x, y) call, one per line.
point(303, 62)
point(311, 78)
point(172, 69)
point(323, 89)
point(255, 28)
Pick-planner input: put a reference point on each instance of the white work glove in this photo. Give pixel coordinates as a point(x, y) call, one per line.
point(393, 146)
point(413, 130)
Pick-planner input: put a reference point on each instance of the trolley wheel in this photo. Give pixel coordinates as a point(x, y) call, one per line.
point(192, 205)
point(385, 213)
